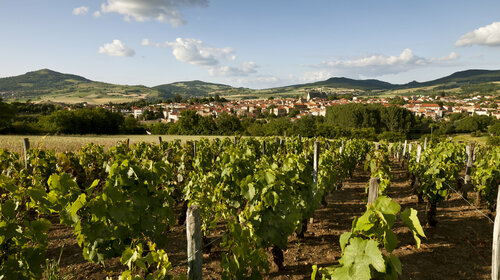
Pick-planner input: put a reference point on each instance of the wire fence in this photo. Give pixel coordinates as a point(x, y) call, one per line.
point(468, 202)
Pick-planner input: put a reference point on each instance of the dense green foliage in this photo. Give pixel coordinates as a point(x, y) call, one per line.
point(119, 202)
point(83, 121)
point(378, 163)
point(486, 173)
point(7, 114)
point(463, 123)
point(437, 170)
point(392, 118)
point(362, 255)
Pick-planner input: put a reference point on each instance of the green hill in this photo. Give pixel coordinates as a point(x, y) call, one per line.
point(48, 85)
point(460, 78)
point(39, 80)
point(354, 84)
point(192, 88)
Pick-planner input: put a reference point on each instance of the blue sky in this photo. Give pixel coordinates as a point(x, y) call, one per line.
point(256, 44)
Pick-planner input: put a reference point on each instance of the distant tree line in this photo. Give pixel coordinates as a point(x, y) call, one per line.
point(351, 120)
point(369, 121)
point(463, 123)
point(28, 118)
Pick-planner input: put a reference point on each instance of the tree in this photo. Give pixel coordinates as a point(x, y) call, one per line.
point(189, 123)
point(494, 129)
point(7, 115)
point(177, 98)
point(374, 116)
point(82, 121)
point(207, 126)
point(305, 126)
point(228, 125)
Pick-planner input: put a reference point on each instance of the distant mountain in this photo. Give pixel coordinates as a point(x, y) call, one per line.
point(355, 84)
point(48, 85)
point(192, 88)
point(455, 79)
point(460, 78)
point(39, 80)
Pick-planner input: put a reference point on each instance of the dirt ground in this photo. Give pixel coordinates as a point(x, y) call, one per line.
point(459, 247)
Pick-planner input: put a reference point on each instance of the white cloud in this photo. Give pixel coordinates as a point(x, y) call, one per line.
point(80, 11)
point(314, 76)
point(145, 10)
point(195, 52)
point(488, 35)
point(96, 14)
point(117, 48)
point(261, 81)
point(378, 65)
point(229, 71)
point(451, 56)
point(405, 57)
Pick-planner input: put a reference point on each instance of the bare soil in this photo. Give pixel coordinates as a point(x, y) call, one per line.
point(459, 247)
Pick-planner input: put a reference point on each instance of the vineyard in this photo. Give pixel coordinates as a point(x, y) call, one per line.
point(269, 208)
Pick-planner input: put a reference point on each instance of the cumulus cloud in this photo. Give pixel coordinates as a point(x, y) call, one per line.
point(96, 14)
point(80, 11)
point(259, 81)
point(195, 52)
point(313, 76)
point(116, 48)
point(488, 35)
point(378, 65)
point(451, 56)
point(406, 57)
point(145, 10)
point(229, 71)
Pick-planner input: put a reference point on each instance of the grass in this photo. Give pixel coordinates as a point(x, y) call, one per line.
point(14, 143)
point(468, 138)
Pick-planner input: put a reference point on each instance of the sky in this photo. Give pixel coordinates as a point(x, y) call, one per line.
point(255, 44)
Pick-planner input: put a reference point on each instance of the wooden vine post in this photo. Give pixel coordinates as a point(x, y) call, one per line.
point(468, 171)
point(263, 147)
point(398, 155)
point(416, 182)
point(495, 257)
point(316, 157)
point(194, 250)
point(315, 181)
point(373, 190)
point(160, 140)
point(425, 144)
point(404, 149)
point(26, 144)
point(404, 154)
point(194, 149)
point(419, 151)
point(315, 162)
